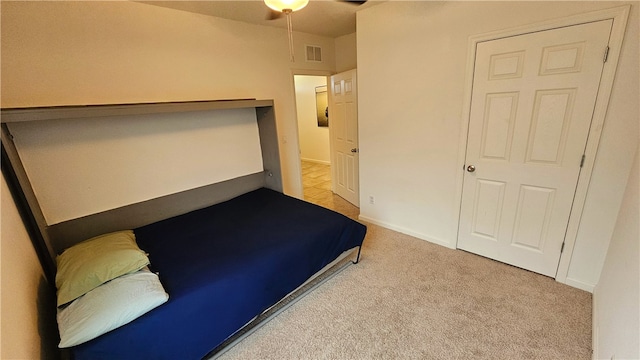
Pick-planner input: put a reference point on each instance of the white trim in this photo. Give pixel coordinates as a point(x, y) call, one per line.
point(619, 15)
point(302, 72)
point(580, 285)
point(406, 231)
point(323, 162)
point(594, 324)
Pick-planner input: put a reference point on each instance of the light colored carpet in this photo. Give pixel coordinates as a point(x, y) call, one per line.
point(410, 299)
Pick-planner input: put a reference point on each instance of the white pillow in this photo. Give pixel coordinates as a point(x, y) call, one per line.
point(93, 262)
point(109, 306)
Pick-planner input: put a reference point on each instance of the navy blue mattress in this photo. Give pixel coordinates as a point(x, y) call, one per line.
point(222, 266)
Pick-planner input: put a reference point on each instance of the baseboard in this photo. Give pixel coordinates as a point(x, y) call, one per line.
point(595, 330)
point(406, 231)
point(579, 284)
point(323, 162)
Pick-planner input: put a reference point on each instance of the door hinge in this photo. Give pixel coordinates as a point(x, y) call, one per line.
point(562, 247)
point(582, 160)
point(606, 54)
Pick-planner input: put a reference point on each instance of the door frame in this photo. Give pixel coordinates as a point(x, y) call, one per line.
point(619, 15)
point(294, 72)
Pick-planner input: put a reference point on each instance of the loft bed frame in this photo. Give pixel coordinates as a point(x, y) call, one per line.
point(51, 239)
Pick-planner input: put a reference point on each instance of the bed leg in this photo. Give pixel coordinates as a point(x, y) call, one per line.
point(358, 256)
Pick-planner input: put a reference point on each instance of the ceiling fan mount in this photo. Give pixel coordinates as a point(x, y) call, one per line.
point(287, 7)
point(278, 7)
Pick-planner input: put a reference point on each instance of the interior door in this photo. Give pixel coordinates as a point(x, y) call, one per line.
point(343, 123)
point(532, 101)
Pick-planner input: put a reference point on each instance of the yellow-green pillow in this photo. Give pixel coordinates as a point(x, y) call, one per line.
point(93, 262)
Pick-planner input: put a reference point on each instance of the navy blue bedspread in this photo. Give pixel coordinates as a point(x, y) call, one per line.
point(222, 266)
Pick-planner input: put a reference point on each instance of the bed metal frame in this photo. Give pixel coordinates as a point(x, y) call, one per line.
point(314, 282)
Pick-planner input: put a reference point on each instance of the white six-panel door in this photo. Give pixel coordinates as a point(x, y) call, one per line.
point(343, 122)
point(532, 102)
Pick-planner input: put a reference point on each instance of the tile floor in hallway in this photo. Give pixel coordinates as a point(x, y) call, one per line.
point(316, 182)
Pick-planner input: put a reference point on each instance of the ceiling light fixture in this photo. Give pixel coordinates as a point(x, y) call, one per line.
point(287, 7)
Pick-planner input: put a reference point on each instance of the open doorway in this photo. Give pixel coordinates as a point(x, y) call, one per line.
point(315, 145)
point(313, 134)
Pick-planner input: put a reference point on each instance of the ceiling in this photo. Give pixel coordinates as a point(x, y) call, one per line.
point(328, 18)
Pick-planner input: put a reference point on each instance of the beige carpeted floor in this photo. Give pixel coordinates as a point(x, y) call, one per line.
point(410, 299)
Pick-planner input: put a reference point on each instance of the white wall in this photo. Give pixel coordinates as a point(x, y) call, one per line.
point(60, 53)
point(411, 68)
point(346, 52)
point(84, 166)
point(314, 140)
point(616, 299)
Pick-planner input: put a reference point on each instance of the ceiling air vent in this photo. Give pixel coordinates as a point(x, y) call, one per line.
point(314, 53)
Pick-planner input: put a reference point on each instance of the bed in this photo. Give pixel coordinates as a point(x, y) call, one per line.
point(228, 255)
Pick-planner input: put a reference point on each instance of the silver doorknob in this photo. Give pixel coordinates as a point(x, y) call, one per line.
point(354, 150)
point(471, 168)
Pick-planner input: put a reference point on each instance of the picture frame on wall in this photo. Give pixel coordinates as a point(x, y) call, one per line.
point(322, 106)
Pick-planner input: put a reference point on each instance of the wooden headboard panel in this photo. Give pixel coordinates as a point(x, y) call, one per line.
point(51, 239)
